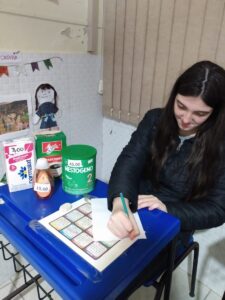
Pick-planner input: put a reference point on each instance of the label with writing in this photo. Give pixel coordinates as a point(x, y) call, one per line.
point(42, 187)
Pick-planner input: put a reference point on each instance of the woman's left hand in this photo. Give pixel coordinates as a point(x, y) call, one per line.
point(151, 202)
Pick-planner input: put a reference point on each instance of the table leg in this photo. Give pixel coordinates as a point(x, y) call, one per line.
point(172, 255)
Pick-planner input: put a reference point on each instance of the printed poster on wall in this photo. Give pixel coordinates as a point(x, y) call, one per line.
point(15, 116)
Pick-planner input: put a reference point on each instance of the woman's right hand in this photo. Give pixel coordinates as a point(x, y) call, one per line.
point(120, 224)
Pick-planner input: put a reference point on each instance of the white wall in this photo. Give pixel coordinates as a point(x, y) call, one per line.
point(115, 136)
point(47, 26)
point(211, 267)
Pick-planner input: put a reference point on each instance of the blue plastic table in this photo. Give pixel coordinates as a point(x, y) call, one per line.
point(70, 275)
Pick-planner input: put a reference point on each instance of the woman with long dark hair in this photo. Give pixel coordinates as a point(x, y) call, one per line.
point(175, 162)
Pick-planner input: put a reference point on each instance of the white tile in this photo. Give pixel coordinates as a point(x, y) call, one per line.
point(3, 239)
point(56, 296)
point(6, 265)
point(213, 296)
point(179, 289)
point(31, 291)
point(6, 271)
point(6, 289)
point(17, 275)
point(181, 286)
point(143, 293)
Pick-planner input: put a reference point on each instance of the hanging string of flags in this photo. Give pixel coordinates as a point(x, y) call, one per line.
point(21, 68)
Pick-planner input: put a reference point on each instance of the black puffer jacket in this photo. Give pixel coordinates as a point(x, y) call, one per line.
point(127, 177)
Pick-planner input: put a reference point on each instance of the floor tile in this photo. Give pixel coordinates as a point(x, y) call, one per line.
point(6, 271)
point(17, 275)
point(3, 239)
point(6, 260)
point(143, 293)
point(213, 296)
point(6, 289)
point(31, 291)
point(181, 286)
point(56, 296)
point(179, 289)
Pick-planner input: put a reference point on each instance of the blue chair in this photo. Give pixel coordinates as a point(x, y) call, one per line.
point(182, 252)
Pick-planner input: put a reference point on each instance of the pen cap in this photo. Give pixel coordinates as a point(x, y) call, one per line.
point(42, 164)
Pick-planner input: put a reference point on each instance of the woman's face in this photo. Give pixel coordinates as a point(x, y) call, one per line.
point(190, 112)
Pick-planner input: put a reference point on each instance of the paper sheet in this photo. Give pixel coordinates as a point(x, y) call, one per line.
point(100, 217)
point(74, 227)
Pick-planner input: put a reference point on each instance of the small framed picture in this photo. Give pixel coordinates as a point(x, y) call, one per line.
point(15, 116)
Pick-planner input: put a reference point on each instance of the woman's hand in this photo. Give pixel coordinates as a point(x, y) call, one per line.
point(151, 202)
point(120, 224)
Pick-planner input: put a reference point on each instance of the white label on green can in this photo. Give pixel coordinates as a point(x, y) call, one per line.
point(74, 163)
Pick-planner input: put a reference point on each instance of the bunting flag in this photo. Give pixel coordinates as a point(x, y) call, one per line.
point(4, 70)
point(34, 66)
point(20, 69)
point(48, 63)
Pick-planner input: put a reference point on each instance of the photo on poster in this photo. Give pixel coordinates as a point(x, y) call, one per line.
point(15, 116)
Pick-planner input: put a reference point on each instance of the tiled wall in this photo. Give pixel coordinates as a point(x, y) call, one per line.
point(75, 78)
point(211, 267)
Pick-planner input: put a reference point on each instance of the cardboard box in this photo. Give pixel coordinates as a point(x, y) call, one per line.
point(20, 163)
point(49, 145)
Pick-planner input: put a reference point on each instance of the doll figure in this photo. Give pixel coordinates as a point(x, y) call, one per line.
point(46, 106)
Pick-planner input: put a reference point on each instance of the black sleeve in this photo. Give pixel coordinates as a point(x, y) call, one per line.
point(203, 213)
point(129, 166)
